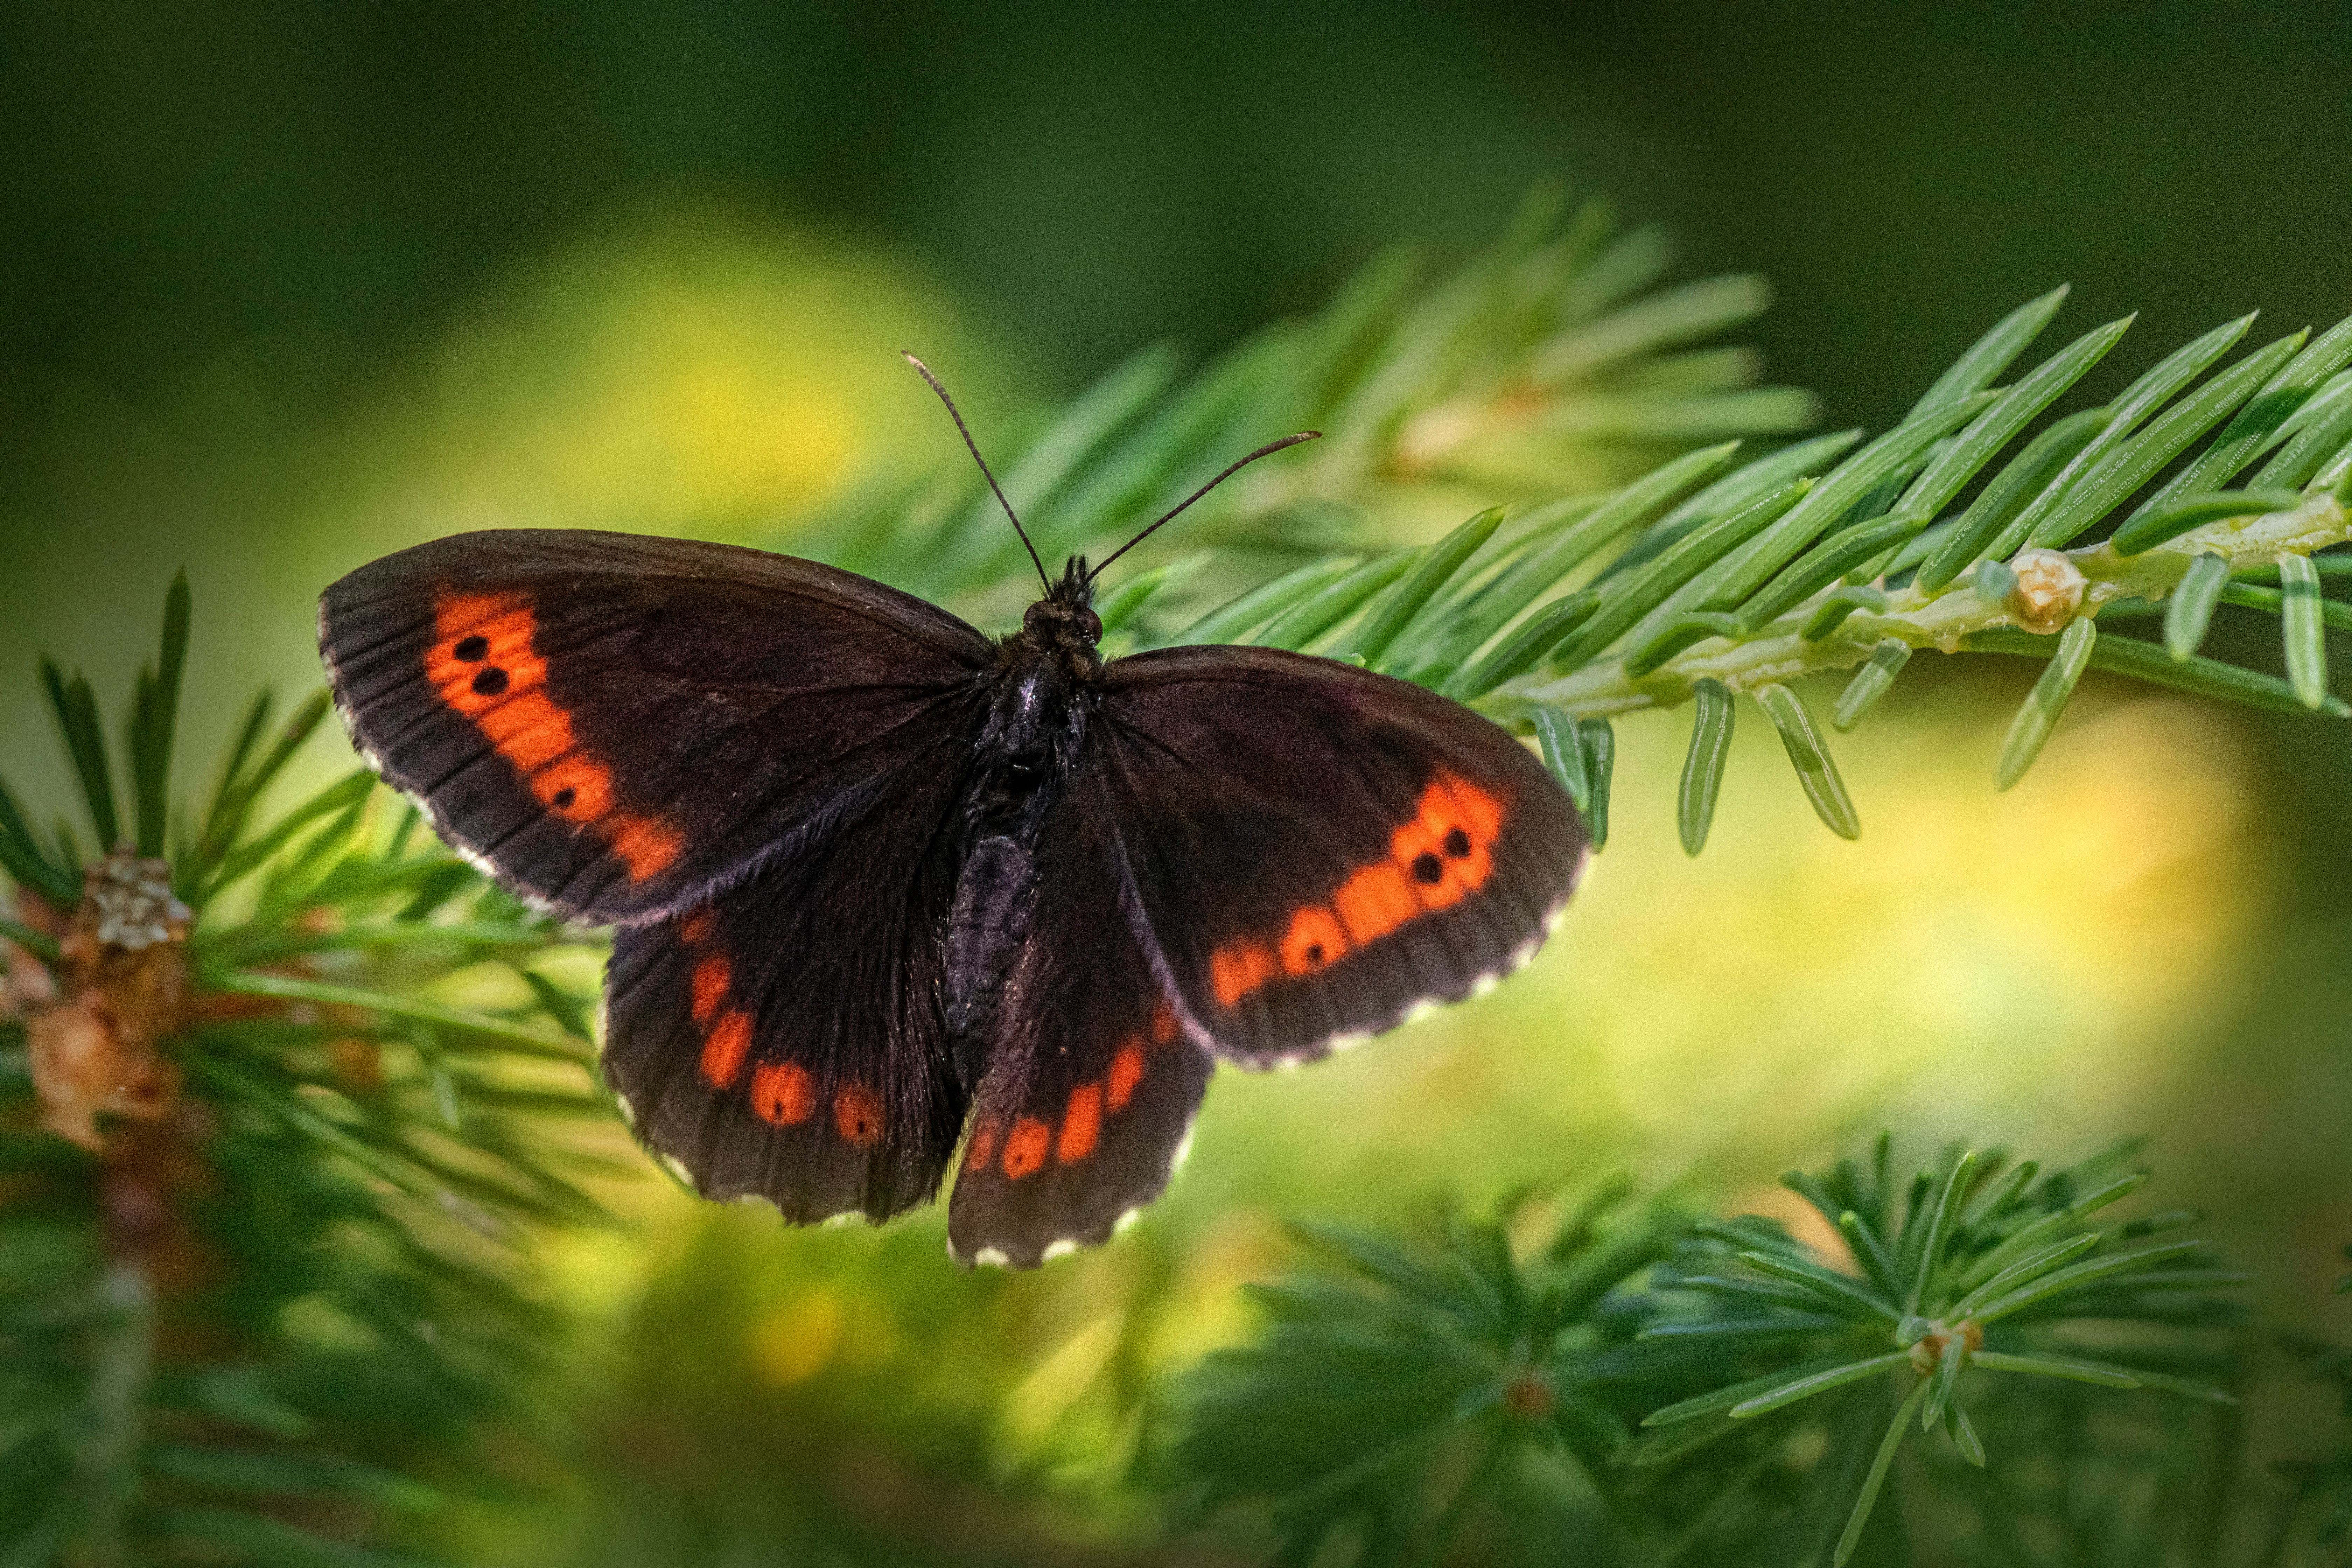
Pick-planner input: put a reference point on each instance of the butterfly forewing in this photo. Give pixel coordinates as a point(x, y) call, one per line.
point(619, 725)
point(1317, 850)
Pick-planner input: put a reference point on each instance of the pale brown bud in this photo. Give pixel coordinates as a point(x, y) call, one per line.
point(2049, 589)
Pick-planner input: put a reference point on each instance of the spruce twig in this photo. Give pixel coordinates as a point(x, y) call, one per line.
point(227, 1076)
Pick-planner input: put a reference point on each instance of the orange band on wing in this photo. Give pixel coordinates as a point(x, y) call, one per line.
point(1026, 1146)
point(724, 1046)
point(484, 665)
point(725, 1031)
point(1126, 1072)
point(982, 1148)
point(1374, 901)
point(784, 1094)
point(1316, 938)
point(1440, 856)
point(710, 979)
point(1077, 1134)
point(1081, 1124)
point(856, 1114)
point(1239, 968)
point(1447, 850)
point(781, 1093)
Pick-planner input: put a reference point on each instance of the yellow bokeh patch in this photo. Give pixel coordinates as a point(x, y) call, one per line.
point(695, 372)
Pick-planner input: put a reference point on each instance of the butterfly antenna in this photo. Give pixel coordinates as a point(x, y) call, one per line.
point(1269, 449)
point(973, 447)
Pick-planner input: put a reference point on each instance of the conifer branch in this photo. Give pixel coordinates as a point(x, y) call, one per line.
point(1717, 1391)
point(1549, 365)
point(1963, 617)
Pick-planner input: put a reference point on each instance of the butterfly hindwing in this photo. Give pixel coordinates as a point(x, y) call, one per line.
point(1318, 849)
point(786, 1041)
point(1091, 1084)
point(619, 725)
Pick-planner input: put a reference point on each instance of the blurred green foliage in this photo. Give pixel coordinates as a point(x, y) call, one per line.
point(1646, 1388)
point(272, 1306)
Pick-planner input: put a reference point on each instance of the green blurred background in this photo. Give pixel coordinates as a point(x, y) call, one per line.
point(283, 288)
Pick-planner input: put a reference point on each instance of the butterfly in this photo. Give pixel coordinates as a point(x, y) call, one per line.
point(892, 895)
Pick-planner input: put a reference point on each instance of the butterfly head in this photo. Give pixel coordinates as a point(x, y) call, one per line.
point(1063, 625)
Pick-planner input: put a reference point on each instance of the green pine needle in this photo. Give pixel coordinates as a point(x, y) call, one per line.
point(1843, 601)
point(2135, 462)
point(2125, 416)
point(1710, 743)
point(2039, 715)
point(1781, 1396)
point(1881, 1462)
point(2148, 662)
point(1870, 683)
point(76, 710)
point(2030, 474)
point(1563, 753)
point(2000, 422)
point(1398, 606)
point(2050, 1366)
point(1985, 359)
point(2304, 630)
point(1809, 754)
point(1599, 740)
point(1311, 618)
point(1832, 558)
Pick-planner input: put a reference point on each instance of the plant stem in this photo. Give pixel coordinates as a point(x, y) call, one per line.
point(1919, 618)
point(118, 1395)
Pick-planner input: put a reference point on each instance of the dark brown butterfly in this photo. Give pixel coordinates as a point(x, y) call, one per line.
point(885, 885)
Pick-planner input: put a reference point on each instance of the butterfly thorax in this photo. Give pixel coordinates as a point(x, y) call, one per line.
point(1061, 627)
point(1043, 684)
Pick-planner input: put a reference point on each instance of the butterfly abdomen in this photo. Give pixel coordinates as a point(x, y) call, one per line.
point(993, 902)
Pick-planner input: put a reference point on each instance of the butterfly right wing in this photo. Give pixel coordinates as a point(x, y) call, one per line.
point(618, 726)
point(786, 1040)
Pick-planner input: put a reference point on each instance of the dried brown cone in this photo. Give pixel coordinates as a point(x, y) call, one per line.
point(120, 989)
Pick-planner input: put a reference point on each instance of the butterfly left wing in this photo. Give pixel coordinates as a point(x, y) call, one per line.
point(1257, 854)
point(1317, 850)
point(1090, 1085)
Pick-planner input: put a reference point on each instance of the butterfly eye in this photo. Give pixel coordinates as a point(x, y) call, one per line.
point(1090, 626)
